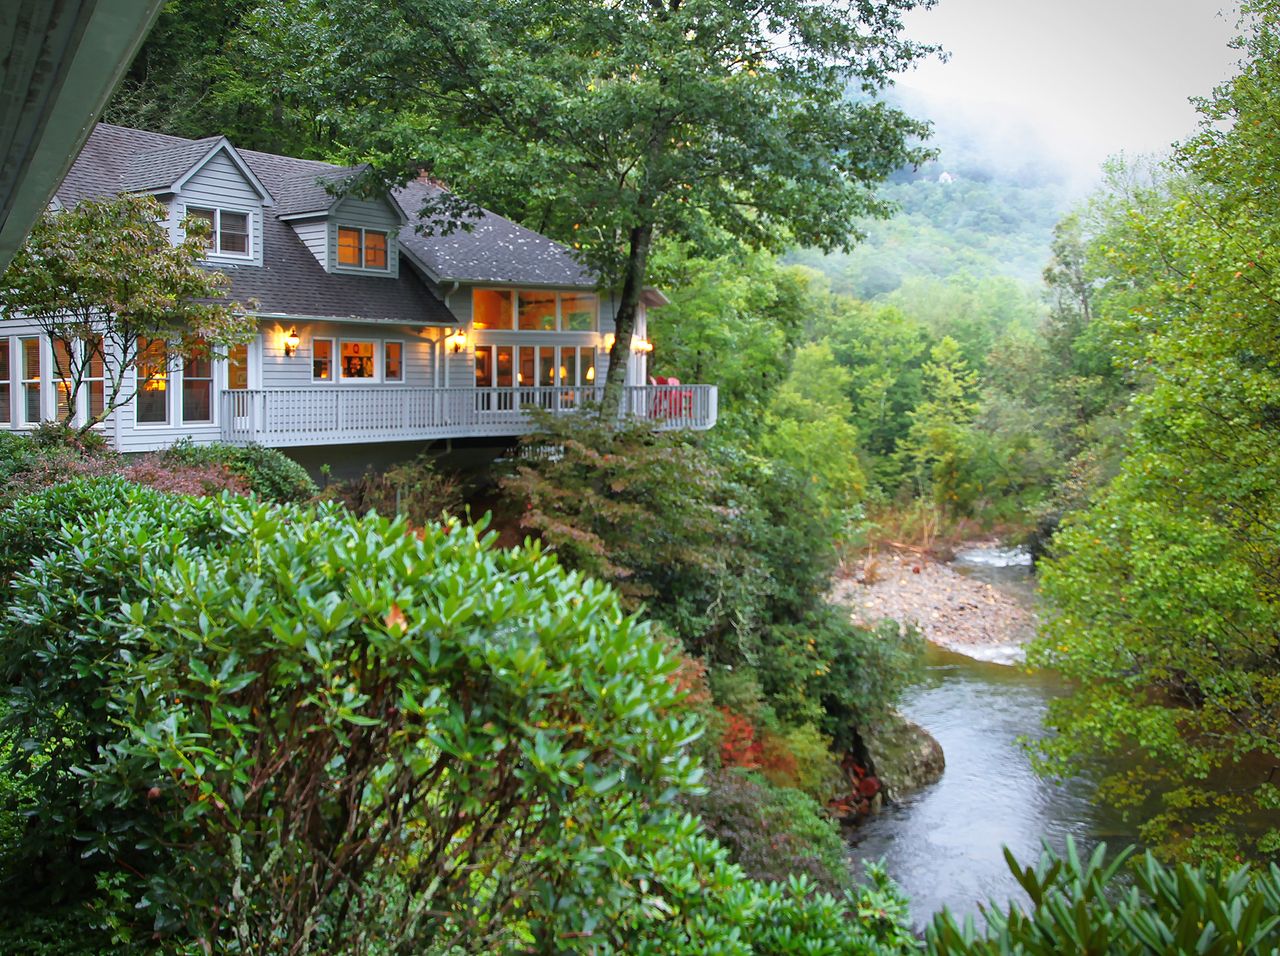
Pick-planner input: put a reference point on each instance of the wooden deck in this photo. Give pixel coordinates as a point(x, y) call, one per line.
point(338, 414)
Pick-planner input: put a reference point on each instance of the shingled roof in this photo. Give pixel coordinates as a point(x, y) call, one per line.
point(290, 281)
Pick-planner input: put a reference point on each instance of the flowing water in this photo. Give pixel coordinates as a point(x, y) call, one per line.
point(944, 844)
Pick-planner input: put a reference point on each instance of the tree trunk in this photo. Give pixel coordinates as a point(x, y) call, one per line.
point(624, 321)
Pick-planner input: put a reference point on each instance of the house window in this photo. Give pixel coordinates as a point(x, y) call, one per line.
point(586, 366)
point(322, 360)
point(94, 380)
point(484, 368)
point(506, 366)
point(537, 311)
point(32, 369)
point(229, 231)
point(6, 384)
point(358, 361)
point(491, 309)
point(393, 362)
point(578, 311)
point(197, 389)
point(153, 382)
point(547, 365)
point(62, 369)
point(362, 248)
point(238, 368)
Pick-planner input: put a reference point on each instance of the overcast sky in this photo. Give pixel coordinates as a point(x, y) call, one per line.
point(1092, 77)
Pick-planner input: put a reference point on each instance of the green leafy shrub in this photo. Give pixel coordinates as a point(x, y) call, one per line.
point(270, 474)
point(415, 489)
point(773, 832)
point(1081, 905)
point(28, 464)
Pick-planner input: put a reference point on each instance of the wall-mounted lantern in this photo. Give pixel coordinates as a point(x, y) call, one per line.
point(641, 345)
point(458, 340)
point(291, 343)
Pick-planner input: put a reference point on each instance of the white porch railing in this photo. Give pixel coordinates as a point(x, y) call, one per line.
point(345, 414)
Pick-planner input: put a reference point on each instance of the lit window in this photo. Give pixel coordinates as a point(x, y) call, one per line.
point(484, 367)
point(322, 360)
point(491, 309)
point(578, 312)
point(238, 368)
point(228, 231)
point(348, 247)
point(505, 366)
point(153, 382)
point(362, 248)
point(393, 361)
point(31, 372)
point(538, 311)
point(95, 378)
point(197, 389)
point(62, 375)
point(358, 361)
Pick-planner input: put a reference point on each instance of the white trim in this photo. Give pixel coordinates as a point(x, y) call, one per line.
point(343, 379)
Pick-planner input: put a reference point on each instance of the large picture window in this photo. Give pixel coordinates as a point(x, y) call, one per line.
point(534, 310)
point(229, 231)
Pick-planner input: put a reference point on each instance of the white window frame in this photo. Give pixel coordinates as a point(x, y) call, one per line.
point(403, 371)
point(333, 359)
point(7, 385)
point(377, 362)
point(363, 230)
point(212, 380)
point(215, 250)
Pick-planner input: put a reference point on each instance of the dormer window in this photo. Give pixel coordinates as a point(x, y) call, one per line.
point(229, 231)
point(362, 248)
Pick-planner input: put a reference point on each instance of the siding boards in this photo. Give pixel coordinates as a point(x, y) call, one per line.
point(369, 214)
point(219, 184)
point(314, 234)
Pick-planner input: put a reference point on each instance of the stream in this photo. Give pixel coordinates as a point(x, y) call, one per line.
point(943, 845)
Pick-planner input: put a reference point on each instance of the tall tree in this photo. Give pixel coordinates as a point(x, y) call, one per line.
point(610, 123)
point(1167, 589)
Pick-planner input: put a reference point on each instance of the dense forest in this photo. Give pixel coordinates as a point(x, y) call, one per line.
point(1097, 375)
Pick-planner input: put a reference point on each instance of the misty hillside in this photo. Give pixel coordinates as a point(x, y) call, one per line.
point(985, 207)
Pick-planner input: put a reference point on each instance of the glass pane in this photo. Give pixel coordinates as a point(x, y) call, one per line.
point(198, 366)
point(322, 360)
point(525, 374)
point(61, 360)
point(537, 311)
point(375, 250)
point(238, 367)
point(394, 361)
point(357, 360)
point(207, 216)
point(348, 247)
point(505, 366)
point(491, 309)
point(484, 368)
point(197, 400)
point(233, 237)
point(6, 384)
point(569, 367)
point(587, 364)
point(153, 382)
point(578, 311)
point(97, 397)
point(547, 363)
point(31, 372)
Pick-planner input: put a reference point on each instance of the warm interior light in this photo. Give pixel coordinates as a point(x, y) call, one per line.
point(591, 374)
point(519, 378)
point(608, 341)
point(291, 343)
point(641, 345)
point(458, 339)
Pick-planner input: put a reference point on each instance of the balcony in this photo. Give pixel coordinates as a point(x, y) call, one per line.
point(338, 415)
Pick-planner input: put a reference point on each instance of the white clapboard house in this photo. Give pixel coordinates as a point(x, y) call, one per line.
point(369, 332)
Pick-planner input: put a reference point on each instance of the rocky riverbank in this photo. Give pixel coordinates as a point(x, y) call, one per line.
point(951, 609)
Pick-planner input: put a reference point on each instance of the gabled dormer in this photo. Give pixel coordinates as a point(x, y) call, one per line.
point(348, 234)
point(208, 179)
